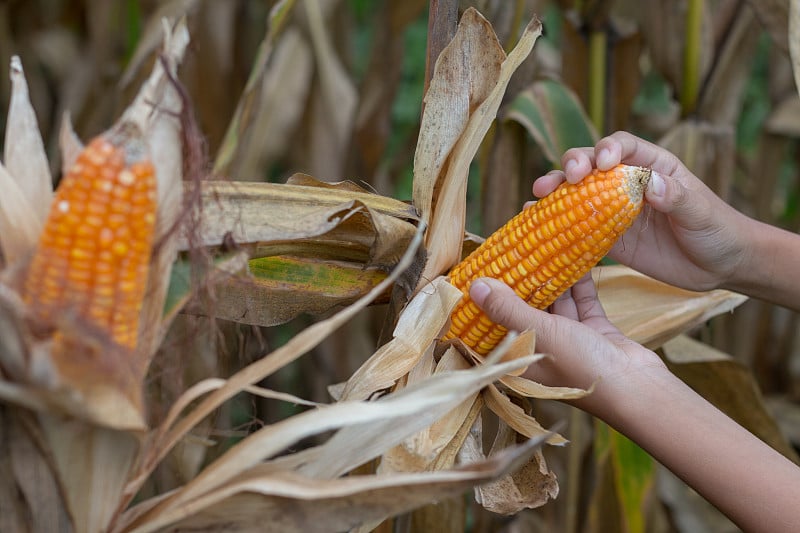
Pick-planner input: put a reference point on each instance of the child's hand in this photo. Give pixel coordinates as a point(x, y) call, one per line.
point(690, 238)
point(587, 349)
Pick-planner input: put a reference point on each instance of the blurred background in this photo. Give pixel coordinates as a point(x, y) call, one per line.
point(333, 88)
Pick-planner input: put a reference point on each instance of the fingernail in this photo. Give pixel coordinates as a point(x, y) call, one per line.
point(604, 159)
point(478, 291)
point(657, 185)
point(570, 166)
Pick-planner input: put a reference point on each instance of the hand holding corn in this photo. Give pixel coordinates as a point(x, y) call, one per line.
point(690, 238)
point(634, 392)
point(549, 246)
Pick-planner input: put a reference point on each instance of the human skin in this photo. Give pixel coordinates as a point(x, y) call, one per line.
point(690, 238)
point(687, 236)
point(634, 392)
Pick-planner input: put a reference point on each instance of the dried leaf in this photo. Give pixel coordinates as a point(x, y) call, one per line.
point(287, 502)
point(651, 312)
point(513, 415)
point(69, 143)
point(93, 464)
point(168, 434)
point(420, 323)
point(279, 289)
point(25, 157)
point(531, 486)
point(240, 131)
point(785, 118)
point(263, 212)
point(153, 34)
point(281, 100)
point(334, 106)
point(421, 451)
point(19, 225)
point(461, 140)
point(773, 15)
point(530, 389)
point(38, 502)
point(376, 426)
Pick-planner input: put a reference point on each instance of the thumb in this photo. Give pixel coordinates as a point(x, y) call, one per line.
point(670, 196)
point(502, 305)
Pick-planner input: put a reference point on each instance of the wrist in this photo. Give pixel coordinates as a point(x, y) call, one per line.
point(770, 256)
point(617, 397)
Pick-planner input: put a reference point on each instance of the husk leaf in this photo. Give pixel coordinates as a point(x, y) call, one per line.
point(451, 148)
point(651, 312)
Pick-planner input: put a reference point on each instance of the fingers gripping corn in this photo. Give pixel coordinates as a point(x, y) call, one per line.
point(544, 250)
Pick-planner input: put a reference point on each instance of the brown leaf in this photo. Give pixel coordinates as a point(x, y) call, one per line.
point(286, 502)
point(333, 107)
point(515, 417)
point(263, 212)
point(93, 464)
point(25, 157)
point(450, 136)
point(19, 226)
point(651, 312)
point(420, 323)
point(531, 486)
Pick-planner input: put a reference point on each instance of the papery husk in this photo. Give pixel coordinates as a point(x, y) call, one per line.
point(460, 105)
point(25, 156)
point(30, 496)
point(419, 324)
point(245, 212)
point(288, 502)
point(92, 464)
point(162, 130)
point(651, 312)
point(175, 428)
point(376, 426)
point(69, 143)
point(426, 450)
point(530, 486)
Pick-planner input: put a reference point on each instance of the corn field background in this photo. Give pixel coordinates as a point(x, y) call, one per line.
point(324, 91)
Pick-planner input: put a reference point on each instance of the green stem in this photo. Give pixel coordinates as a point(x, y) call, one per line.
point(598, 40)
point(691, 57)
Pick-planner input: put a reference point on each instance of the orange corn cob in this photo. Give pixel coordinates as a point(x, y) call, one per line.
point(93, 255)
point(544, 250)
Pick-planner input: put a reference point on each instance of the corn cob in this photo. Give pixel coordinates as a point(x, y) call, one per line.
point(93, 255)
point(549, 246)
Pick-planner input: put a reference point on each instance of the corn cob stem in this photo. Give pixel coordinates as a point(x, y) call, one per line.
point(549, 246)
point(93, 255)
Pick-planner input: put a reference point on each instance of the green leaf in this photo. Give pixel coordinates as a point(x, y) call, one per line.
point(632, 475)
point(554, 117)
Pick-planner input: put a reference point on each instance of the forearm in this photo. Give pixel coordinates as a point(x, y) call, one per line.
point(769, 271)
point(748, 481)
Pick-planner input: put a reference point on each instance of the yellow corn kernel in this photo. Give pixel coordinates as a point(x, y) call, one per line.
point(93, 255)
point(564, 235)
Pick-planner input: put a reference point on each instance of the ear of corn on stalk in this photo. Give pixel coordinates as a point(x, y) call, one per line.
point(549, 246)
point(93, 255)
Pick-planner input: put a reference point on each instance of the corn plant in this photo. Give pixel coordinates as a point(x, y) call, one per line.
point(98, 434)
